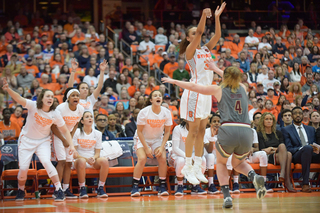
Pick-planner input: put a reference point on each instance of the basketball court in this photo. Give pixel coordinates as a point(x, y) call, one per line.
point(244, 202)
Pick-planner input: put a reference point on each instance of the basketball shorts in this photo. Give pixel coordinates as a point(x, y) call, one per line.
point(62, 152)
point(195, 105)
point(234, 139)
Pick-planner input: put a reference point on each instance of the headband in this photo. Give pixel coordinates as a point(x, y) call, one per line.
point(71, 91)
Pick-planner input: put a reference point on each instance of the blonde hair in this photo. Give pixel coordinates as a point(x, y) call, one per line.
point(231, 78)
point(261, 127)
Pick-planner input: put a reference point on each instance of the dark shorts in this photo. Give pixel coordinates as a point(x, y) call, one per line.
point(272, 159)
point(234, 139)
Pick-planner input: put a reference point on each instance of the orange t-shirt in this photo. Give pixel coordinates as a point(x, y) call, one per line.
point(132, 90)
point(75, 39)
point(68, 27)
point(274, 100)
point(149, 90)
point(151, 28)
point(258, 35)
point(103, 111)
point(11, 132)
point(272, 111)
point(56, 63)
point(157, 59)
point(51, 86)
point(16, 120)
point(169, 68)
point(33, 69)
point(125, 66)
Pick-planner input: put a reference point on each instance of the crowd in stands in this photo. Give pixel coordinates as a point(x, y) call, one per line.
point(281, 69)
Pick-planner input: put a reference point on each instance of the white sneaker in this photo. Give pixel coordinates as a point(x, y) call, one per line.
point(227, 203)
point(199, 175)
point(188, 173)
point(259, 185)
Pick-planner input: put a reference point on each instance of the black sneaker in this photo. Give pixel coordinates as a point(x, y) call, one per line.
point(101, 193)
point(69, 195)
point(59, 196)
point(20, 195)
point(83, 192)
point(162, 191)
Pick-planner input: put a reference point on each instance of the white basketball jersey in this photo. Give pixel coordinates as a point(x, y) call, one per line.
point(179, 136)
point(197, 64)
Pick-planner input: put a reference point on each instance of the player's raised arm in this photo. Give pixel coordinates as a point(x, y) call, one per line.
point(15, 96)
point(214, 40)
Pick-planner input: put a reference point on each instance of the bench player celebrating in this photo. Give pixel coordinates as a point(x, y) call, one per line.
point(153, 130)
point(35, 137)
point(71, 112)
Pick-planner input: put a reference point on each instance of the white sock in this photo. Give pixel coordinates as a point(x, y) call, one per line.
point(197, 161)
point(180, 183)
point(65, 187)
point(188, 161)
point(57, 185)
point(82, 184)
point(162, 178)
point(101, 183)
point(210, 179)
point(235, 179)
point(21, 187)
point(138, 179)
point(265, 178)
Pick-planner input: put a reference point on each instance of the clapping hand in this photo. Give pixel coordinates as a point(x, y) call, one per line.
point(5, 86)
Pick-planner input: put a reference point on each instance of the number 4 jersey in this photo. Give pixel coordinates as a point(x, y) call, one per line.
point(233, 107)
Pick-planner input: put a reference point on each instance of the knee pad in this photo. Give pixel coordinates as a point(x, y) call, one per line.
point(23, 173)
point(51, 170)
point(211, 160)
point(263, 159)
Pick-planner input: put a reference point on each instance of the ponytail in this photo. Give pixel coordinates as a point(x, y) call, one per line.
point(183, 46)
point(184, 43)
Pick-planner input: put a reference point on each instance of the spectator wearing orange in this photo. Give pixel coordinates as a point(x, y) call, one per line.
point(127, 65)
point(46, 85)
point(69, 26)
point(158, 58)
point(298, 57)
point(236, 45)
point(270, 96)
point(284, 32)
point(305, 115)
point(269, 107)
point(3, 45)
point(258, 33)
point(16, 116)
point(281, 100)
point(151, 86)
point(56, 62)
point(150, 28)
point(91, 34)
point(8, 129)
point(135, 86)
point(297, 31)
point(79, 36)
point(12, 35)
point(308, 70)
point(173, 109)
point(292, 52)
point(170, 67)
point(294, 91)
